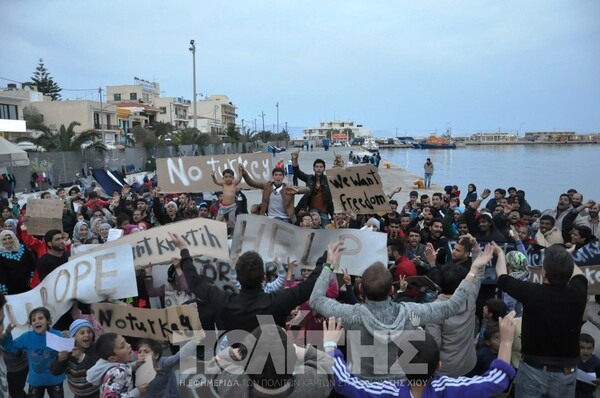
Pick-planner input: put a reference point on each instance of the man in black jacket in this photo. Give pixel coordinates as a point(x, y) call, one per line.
point(240, 310)
point(319, 198)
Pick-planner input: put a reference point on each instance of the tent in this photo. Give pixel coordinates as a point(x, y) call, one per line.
point(12, 155)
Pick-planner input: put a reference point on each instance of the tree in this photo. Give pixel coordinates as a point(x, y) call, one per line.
point(44, 82)
point(66, 139)
point(32, 117)
point(233, 134)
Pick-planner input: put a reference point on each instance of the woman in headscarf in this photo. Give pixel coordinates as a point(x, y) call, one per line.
point(517, 268)
point(11, 225)
point(104, 229)
point(16, 264)
point(82, 233)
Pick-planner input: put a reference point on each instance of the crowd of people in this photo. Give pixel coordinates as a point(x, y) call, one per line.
point(429, 300)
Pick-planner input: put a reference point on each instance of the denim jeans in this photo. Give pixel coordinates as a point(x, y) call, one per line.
point(427, 180)
point(536, 383)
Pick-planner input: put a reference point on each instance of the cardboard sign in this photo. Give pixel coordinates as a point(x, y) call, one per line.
point(357, 187)
point(164, 324)
point(591, 272)
point(272, 238)
point(44, 215)
point(154, 246)
point(193, 174)
point(586, 258)
point(145, 373)
point(114, 234)
point(101, 275)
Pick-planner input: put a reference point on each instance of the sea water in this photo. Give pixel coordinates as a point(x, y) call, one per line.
point(542, 171)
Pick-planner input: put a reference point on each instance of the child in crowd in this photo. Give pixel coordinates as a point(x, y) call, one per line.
point(228, 206)
point(113, 372)
point(39, 356)
point(493, 309)
point(164, 385)
point(588, 363)
point(77, 362)
point(489, 352)
point(423, 385)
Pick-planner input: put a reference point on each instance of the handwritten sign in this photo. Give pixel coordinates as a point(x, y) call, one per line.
point(44, 215)
point(188, 174)
point(58, 343)
point(114, 234)
point(587, 258)
point(101, 275)
point(164, 324)
point(272, 238)
point(357, 187)
point(202, 236)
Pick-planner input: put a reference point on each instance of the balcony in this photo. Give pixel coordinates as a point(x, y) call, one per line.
point(105, 127)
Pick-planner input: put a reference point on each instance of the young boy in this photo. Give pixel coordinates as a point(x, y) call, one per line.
point(588, 363)
point(423, 385)
point(489, 352)
point(493, 309)
point(113, 372)
point(228, 206)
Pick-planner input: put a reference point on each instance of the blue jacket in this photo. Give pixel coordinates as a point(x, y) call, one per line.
point(494, 381)
point(39, 356)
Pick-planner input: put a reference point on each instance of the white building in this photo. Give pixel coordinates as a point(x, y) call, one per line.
point(340, 131)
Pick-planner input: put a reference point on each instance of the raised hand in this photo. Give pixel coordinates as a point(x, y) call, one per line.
point(334, 250)
point(486, 193)
point(347, 278)
point(177, 241)
point(484, 258)
point(332, 330)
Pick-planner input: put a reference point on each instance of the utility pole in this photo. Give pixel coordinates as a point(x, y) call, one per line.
point(193, 50)
point(262, 114)
point(100, 114)
point(243, 128)
point(277, 106)
point(286, 130)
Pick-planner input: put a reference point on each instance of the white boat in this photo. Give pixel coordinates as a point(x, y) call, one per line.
point(370, 145)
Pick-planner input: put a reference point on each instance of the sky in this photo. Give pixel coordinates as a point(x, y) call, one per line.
point(398, 67)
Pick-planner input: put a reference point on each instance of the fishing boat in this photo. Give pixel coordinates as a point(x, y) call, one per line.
point(435, 142)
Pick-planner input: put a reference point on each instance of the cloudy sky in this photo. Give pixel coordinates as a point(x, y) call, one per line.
point(415, 66)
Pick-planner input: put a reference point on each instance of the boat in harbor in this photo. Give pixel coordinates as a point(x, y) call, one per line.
point(435, 142)
point(370, 145)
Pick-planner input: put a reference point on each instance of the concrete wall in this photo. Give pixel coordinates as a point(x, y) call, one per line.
point(62, 167)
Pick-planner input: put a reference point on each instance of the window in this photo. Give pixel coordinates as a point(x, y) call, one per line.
point(163, 110)
point(146, 98)
point(117, 97)
point(133, 96)
point(8, 112)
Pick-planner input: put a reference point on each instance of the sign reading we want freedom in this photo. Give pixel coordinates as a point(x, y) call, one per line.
point(357, 187)
point(193, 174)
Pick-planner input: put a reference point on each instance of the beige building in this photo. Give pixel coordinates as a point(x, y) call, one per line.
point(174, 110)
point(142, 91)
point(92, 115)
point(214, 114)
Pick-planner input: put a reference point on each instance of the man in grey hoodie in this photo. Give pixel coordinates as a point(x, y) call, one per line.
point(377, 328)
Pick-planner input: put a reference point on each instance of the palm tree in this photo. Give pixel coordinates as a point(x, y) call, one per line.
point(66, 139)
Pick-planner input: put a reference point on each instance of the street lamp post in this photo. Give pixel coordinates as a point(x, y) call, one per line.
point(193, 50)
point(277, 106)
